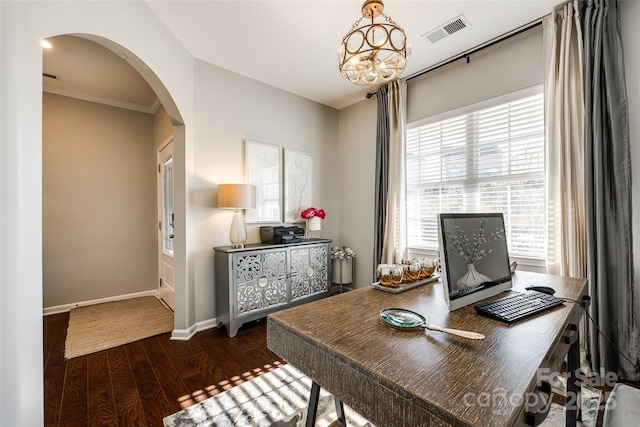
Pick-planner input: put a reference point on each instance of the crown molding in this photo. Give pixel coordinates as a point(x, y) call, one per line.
point(106, 101)
point(155, 105)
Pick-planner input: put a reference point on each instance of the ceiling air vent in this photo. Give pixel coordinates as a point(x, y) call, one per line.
point(447, 29)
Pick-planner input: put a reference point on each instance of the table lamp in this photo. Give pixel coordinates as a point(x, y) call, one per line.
point(238, 197)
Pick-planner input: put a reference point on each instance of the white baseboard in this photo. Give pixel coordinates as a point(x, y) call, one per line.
point(186, 334)
point(176, 334)
point(66, 307)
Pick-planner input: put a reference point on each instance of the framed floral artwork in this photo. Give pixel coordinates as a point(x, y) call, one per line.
point(298, 184)
point(263, 168)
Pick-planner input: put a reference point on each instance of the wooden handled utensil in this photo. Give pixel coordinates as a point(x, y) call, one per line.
point(464, 334)
point(407, 320)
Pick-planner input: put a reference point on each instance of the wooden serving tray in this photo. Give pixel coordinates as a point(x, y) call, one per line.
point(406, 286)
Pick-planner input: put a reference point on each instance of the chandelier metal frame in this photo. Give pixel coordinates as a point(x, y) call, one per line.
point(373, 53)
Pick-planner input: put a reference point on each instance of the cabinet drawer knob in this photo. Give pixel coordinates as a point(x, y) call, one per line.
point(309, 271)
point(263, 281)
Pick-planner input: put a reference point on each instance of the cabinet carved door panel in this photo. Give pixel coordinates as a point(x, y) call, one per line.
point(254, 281)
point(261, 281)
point(308, 271)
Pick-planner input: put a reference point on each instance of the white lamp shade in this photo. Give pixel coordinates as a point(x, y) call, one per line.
point(237, 196)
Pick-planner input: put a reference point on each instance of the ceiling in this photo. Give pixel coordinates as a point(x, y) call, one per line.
point(291, 44)
point(80, 68)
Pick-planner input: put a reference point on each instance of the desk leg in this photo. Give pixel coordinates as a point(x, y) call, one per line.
point(572, 337)
point(340, 411)
point(313, 407)
point(313, 404)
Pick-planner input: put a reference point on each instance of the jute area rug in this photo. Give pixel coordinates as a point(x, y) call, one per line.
point(279, 398)
point(102, 326)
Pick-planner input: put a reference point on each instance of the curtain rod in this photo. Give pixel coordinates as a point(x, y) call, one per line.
point(466, 55)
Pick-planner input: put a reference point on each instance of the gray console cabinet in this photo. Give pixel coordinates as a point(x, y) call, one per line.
point(259, 279)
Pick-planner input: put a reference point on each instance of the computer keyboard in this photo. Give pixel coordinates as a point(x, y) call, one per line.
point(518, 305)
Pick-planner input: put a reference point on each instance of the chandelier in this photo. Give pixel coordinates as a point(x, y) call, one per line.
point(373, 53)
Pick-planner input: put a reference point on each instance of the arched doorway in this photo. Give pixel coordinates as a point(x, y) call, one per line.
point(102, 127)
point(176, 122)
point(23, 25)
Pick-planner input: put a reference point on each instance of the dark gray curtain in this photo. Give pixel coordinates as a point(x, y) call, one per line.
point(608, 193)
point(382, 177)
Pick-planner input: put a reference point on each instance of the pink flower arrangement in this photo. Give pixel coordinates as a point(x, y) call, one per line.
point(313, 212)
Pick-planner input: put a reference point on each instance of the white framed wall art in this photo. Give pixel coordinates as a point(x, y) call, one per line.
point(298, 184)
point(263, 168)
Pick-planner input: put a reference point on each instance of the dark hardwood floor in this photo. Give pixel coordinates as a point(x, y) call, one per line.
point(139, 384)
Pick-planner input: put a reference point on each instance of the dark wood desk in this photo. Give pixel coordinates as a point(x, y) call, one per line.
point(398, 378)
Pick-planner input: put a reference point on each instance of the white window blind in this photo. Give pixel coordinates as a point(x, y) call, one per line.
point(486, 158)
point(269, 206)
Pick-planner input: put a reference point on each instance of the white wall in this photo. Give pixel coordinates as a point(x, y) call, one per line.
point(99, 202)
point(630, 14)
point(22, 26)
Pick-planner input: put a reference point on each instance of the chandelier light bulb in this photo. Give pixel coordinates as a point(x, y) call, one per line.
point(386, 70)
point(373, 53)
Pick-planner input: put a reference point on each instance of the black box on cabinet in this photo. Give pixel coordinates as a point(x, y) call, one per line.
point(281, 234)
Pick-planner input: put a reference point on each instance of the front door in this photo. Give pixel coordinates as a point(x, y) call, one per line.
point(165, 224)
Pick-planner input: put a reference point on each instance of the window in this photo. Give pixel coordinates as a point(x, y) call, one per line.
point(489, 157)
point(263, 168)
point(167, 205)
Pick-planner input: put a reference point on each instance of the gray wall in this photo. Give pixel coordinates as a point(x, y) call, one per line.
point(357, 163)
point(98, 201)
point(229, 109)
point(501, 69)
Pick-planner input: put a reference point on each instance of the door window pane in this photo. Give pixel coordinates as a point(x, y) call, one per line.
point(167, 205)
